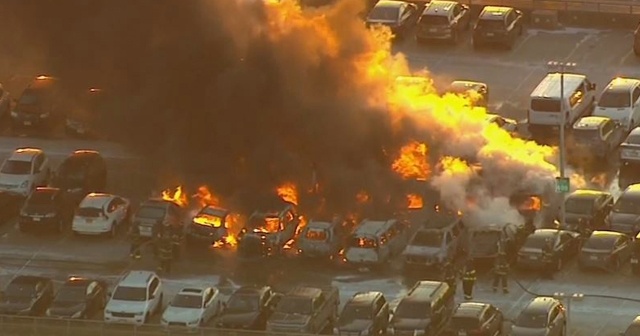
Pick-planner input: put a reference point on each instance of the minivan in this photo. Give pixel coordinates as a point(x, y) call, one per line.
point(37, 105)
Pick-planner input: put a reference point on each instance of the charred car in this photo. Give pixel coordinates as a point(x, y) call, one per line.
point(565, 244)
point(27, 295)
point(249, 308)
point(605, 250)
point(587, 210)
point(84, 112)
point(210, 226)
point(323, 239)
point(305, 310)
point(442, 238)
point(374, 243)
point(268, 232)
point(539, 210)
point(490, 240)
point(155, 213)
point(478, 92)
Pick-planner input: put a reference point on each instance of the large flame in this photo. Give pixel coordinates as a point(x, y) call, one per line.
point(288, 192)
point(176, 195)
point(532, 203)
point(413, 162)
point(415, 201)
point(205, 197)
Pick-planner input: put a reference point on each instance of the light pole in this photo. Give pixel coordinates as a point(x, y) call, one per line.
point(568, 298)
point(561, 68)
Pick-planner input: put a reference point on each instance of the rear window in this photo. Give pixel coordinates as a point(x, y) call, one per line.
point(383, 14)
point(490, 24)
point(532, 320)
point(413, 309)
point(41, 198)
point(600, 243)
point(465, 322)
point(434, 20)
point(615, 99)
point(151, 212)
point(545, 105)
point(316, 234)
point(628, 204)
point(586, 134)
point(363, 242)
point(14, 167)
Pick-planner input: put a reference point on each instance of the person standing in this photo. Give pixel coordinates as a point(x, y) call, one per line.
point(136, 242)
point(449, 276)
point(469, 280)
point(500, 272)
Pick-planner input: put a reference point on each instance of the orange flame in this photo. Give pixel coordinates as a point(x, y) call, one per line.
point(413, 162)
point(600, 180)
point(532, 203)
point(415, 201)
point(176, 196)
point(233, 225)
point(205, 197)
point(362, 197)
point(288, 192)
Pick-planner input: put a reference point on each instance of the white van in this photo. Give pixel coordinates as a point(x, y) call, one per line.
point(544, 107)
point(620, 101)
point(375, 242)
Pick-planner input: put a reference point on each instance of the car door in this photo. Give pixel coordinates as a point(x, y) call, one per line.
point(509, 23)
point(565, 249)
point(152, 294)
point(118, 209)
point(635, 114)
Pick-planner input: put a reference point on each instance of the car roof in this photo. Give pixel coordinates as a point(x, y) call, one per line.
point(467, 85)
point(540, 304)
point(546, 232)
point(372, 227)
point(622, 84)
point(549, 87)
point(587, 194)
point(494, 12)
point(218, 211)
point(305, 292)
point(590, 123)
point(96, 200)
point(439, 7)
point(470, 309)
point(601, 234)
point(634, 188)
point(254, 290)
point(42, 82)
point(423, 289)
point(136, 279)
point(389, 4)
point(25, 154)
point(364, 298)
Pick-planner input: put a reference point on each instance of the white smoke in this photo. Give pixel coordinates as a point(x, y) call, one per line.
point(496, 211)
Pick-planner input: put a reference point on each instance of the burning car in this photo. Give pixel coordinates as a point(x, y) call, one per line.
point(323, 238)
point(266, 233)
point(156, 212)
point(538, 210)
point(211, 226)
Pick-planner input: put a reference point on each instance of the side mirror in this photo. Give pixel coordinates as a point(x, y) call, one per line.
point(592, 87)
point(518, 12)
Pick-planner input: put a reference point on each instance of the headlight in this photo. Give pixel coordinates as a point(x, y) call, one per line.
point(76, 315)
point(14, 114)
point(25, 184)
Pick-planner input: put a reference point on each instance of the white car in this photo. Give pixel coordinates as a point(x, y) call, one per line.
point(193, 307)
point(136, 298)
point(620, 101)
point(24, 170)
point(100, 213)
point(506, 124)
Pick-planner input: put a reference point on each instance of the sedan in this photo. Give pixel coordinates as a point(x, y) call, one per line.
point(630, 147)
point(193, 307)
point(565, 245)
point(482, 319)
point(100, 213)
point(27, 295)
point(399, 16)
point(605, 250)
point(79, 298)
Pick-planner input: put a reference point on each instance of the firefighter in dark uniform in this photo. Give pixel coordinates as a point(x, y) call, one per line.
point(165, 254)
point(449, 275)
point(469, 280)
point(500, 273)
point(547, 259)
point(136, 242)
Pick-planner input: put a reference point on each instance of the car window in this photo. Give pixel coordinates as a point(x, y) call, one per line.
point(91, 288)
point(456, 10)
point(37, 162)
point(208, 295)
point(554, 314)
point(318, 302)
point(607, 128)
point(448, 238)
point(636, 94)
point(153, 286)
point(377, 305)
point(576, 97)
point(510, 18)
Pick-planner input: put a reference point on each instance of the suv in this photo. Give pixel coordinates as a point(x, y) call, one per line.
point(500, 25)
point(366, 313)
point(135, 299)
point(82, 172)
point(45, 208)
point(24, 170)
point(425, 310)
point(620, 101)
point(437, 244)
point(267, 232)
point(595, 138)
point(542, 316)
point(154, 213)
point(470, 318)
point(37, 105)
point(442, 20)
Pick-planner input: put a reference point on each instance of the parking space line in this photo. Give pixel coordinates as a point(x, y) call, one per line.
point(39, 251)
point(522, 43)
point(524, 294)
point(520, 84)
point(625, 57)
point(579, 44)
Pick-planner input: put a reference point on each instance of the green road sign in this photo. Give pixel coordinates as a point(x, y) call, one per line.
point(562, 185)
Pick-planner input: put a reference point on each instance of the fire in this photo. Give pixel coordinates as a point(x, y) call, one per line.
point(301, 225)
point(362, 197)
point(413, 162)
point(205, 197)
point(177, 196)
point(271, 225)
point(415, 201)
point(532, 203)
point(600, 180)
point(288, 192)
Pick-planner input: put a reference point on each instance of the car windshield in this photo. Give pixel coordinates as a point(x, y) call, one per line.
point(70, 293)
point(211, 211)
point(353, 312)
point(536, 241)
point(628, 205)
point(20, 291)
point(89, 212)
point(434, 20)
point(633, 139)
point(73, 170)
point(579, 206)
point(187, 301)
point(465, 322)
point(151, 212)
point(41, 198)
point(413, 310)
point(265, 224)
point(243, 304)
point(380, 13)
point(531, 320)
point(599, 243)
point(586, 134)
point(295, 305)
point(545, 105)
point(13, 167)
point(363, 242)
point(614, 99)
point(130, 293)
point(428, 238)
point(316, 234)
point(491, 24)
point(29, 97)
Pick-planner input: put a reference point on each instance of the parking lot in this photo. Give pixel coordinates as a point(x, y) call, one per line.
point(511, 75)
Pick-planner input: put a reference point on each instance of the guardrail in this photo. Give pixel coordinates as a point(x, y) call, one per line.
point(597, 6)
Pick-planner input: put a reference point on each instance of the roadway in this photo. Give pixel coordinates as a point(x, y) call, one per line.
point(512, 75)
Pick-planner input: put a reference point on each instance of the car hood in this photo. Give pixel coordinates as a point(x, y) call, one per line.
point(238, 319)
point(13, 306)
point(66, 309)
point(575, 218)
point(355, 326)
point(624, 218)
point(178, 314)
point(410, 324)
point(521, 331)
point(284, 318)
point(12, 179)
point(119, 306)
point(421, 250)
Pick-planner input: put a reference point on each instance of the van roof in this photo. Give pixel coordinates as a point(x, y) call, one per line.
point(634, 188)
point(590, 123)
point(370, 227)
point(549, 87)
point(389, 3)
point(622, 84)
point(307, 292)
point(439, 7)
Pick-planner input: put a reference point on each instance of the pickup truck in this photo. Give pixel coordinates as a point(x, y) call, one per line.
point(305, 310)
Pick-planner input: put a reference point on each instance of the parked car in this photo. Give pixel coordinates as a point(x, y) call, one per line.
point(490, 240)
point(373, 243)
point(443, 20)
point(38, 105)
point(82, 172)
point(101, 214)
point(399, 16)
point(477, 92)
point(605, 250)
point(323, 238)
point(441, 239)
point(625, 214)
point(305, 310)
point(497, 25)
point(509, 125)
point(24, 170)
point(565, 245)
point(481, 319)
point(136, 298)
point(193, 307)
point(27, 295)
point(620, 101)
point(541, 316)
point(79, 298)
point(366, 313)
point(209, 226)
point(595, 139)
point(46, 209)
point(154, 213)
point(587, 210)
point(426, 309)
point(249, 308)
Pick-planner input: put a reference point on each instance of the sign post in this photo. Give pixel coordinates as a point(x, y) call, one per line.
point(563, 185)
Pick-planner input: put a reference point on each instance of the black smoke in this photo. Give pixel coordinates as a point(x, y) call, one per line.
point(203, 93)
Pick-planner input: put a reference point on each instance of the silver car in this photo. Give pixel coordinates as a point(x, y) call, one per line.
point(543, 316)
point(606, 250)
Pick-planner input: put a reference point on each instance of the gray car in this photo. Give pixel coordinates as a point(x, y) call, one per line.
point(543, 316)
point(606, 250)
point(625, 215)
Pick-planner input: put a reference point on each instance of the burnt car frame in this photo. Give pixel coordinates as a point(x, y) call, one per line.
point(266, 233)
point(210, 226)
